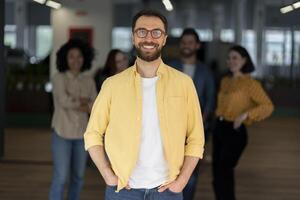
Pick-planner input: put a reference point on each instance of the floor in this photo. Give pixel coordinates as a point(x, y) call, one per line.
point(268, 170)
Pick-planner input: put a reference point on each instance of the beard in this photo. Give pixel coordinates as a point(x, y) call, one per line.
point(146, 56)
point(186, 52)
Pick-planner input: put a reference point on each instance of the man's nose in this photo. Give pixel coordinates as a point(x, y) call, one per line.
point(148, 37)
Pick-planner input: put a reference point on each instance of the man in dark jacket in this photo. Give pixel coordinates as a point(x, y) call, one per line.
point(204, 83)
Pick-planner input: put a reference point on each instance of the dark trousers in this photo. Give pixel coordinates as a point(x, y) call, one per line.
point(190, 189)
point(228, 145)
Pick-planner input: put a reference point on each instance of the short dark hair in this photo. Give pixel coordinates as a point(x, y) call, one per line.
point(87, 53)
point(248, 66)
point(191, 31)
point(150, 13)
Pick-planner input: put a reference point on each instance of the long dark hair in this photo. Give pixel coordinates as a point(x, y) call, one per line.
point(110, 67)
point(248, 67)
point(87, 53)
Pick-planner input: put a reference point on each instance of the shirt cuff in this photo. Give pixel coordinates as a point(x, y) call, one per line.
point(92, 139)
point(194, 150)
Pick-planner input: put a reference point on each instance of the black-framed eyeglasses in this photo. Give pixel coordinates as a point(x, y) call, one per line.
point(155, 33)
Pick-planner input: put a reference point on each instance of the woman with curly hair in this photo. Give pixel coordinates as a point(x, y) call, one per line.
point(241, 101)
point(116, 62)
point(73, 94)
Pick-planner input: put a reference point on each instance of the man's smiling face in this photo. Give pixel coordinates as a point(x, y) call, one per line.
point(149, 48)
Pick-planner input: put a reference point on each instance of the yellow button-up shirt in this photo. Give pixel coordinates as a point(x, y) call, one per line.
point(115, 121)
point(240, 95)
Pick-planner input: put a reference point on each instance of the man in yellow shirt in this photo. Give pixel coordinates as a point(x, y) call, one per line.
point(147, 120)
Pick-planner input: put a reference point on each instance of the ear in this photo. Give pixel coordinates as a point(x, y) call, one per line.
point(198, 46)
point(165, 40)
point(132, 39)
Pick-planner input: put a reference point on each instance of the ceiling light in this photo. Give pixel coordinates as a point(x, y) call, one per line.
point(168, 5)
point(53, 4)
point(296, 5)
point(286, 9)
point(40, 1)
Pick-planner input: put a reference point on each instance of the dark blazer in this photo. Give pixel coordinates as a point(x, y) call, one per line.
point(204, 83)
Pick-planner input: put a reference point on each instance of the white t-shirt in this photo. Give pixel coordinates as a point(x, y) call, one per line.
point(151, 169)
point(189, 69)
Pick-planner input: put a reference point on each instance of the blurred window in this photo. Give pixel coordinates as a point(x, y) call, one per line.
point(204, 34)
point(249, 42)
point(297, 48)
point(10, 37)
point(227, 35)
point(176, 32)
point(278, 47)
point(121, 38)
point(44, 40)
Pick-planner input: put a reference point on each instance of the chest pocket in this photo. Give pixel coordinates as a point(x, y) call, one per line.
point(175, 101)
point(176, 108)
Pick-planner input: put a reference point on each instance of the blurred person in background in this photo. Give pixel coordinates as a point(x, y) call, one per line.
point(116, 62)
point(73, 95)
point(241, 101)
point(205, 86)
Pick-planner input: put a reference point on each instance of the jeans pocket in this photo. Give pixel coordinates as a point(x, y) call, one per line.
point(111, 186)
point(170, 191)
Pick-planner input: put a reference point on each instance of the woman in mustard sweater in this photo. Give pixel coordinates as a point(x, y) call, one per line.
point(241, 101)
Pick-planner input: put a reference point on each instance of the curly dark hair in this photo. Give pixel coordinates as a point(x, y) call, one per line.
point(87, 51)
point(248, 66)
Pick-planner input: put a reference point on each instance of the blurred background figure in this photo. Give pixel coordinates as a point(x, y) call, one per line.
point(116, 62)
point(241, 101)
point(73, 94)
point(188, 63)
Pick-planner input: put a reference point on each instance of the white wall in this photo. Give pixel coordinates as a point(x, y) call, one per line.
point(98, 16)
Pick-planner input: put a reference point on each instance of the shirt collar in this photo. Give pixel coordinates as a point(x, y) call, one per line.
point(162, 68)
point(72, 76)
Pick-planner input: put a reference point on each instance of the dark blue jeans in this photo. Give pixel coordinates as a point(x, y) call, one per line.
point(69, 161)
point(190, 189)
point(140, 194)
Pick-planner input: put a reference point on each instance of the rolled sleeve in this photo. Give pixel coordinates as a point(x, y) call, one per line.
point(92, 139)
point(194, 150)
